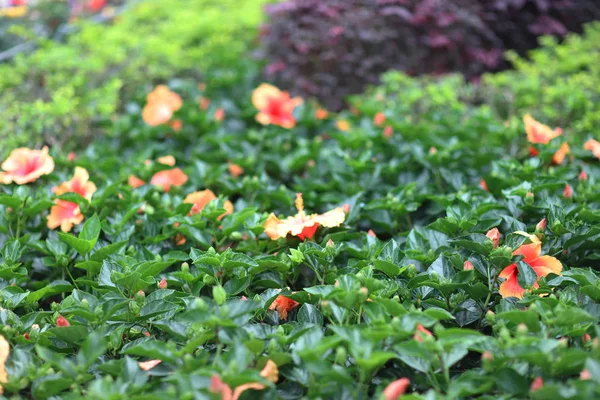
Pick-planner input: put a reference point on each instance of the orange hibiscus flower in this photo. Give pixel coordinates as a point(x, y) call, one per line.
point(283, 305)
point(321, 113)
point(561, 153)
point(79, 184)
point(24, 165)
point(379, 119)
point(538, 132)
point(302, 225)
point(274, 106)
point(161, 103)
point(593, 146)
point(202, 198)
point(168, 178)
point(542, 265)
point(66, 213)
point(235, 170)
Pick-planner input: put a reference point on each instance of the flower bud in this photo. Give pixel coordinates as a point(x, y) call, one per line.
point(219, 294)
point(468, 266)
point(568, 191)
point(85, 304)
point(341, 355)
point(583, 176)
point(522, 329)
point(329, 243)
point(529, 197)
point(490, 317)
point(541, 226)
point(185, 268)
point(134, 307)
point(208, 280)
point(585, 375)
point(62, 322)
point(494, 236)
point(162, 284)
point(537, 384)
point(139, 297)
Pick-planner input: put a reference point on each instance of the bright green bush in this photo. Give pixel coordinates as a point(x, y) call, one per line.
point(70, 90)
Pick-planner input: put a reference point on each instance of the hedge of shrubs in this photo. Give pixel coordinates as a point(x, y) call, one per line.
point(236, 241)
point(76, 87)
point(330, 49)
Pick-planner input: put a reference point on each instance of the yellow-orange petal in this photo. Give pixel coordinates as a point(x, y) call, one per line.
point(545, 265)
point(199, 200)
point(270, 372)
point(168, 178)
point(167, 160)
point(148, 365)
point(235, 170)
point(342, 125)
point(538, 132)
point(332, 218)
point(262, 94)
point(272, 227)
point(561, 153)
point(155, 114)
point(510, 287)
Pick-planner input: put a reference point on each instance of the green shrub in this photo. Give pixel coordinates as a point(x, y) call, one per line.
point(68, 90)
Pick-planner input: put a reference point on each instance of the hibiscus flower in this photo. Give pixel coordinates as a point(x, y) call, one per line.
point(161, 103)
point(538, 132)
point(202, 198)
point(283, 305)
point(542, 265)
point(593, 146)
point(24, 165)
point(64, 213)
point(302, 225)
point(274, 106)
point(168, 178)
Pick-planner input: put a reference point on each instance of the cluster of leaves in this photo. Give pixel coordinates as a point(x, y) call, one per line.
point(333, 48)
point(76, 87)
point(121, 307)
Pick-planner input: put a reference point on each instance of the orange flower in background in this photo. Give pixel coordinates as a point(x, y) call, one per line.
point(24, 165)
point(4, 353)
point(379, 119)
point(134, 181)
point(235, 170)
point(302, 225)
point(168, 178)
point(561, 153)
point(161, 103)
point(321, 113)
point(396, 389)
point(204, 103)
point(274, 106)
point(219, 114)
point(167, 160)
point(568, 191)
point(176, 124)
point(66, 213)
point(593, 146)
point(283, 305)
point(342, 125)
point(270, 372)
point(202, 198)
point(483, 185)
point(542, 265)
point(388, 132)
point(79, 184)
point(538, 132)
point(420, 332)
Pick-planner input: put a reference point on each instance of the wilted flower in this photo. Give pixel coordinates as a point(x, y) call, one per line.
point(542, 265)
point(168, 178)
point(161, 103)
point(593, 146)
point(274, 106)
point(134, 181)
point(283, 305)
point(24, 165)
point(148, 365)
point(561, 153)
point(396, 389)
point(538, 132)
point(494, 236)
point(302, 225)
point(202, 198)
